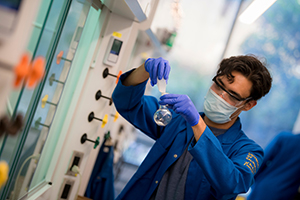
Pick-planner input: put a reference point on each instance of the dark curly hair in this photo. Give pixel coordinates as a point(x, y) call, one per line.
point(252, 68)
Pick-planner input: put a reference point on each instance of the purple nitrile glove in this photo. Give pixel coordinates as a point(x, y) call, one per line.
point(157, 68)
point(182, 105)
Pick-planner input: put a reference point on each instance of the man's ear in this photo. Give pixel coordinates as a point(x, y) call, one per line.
point(250, 105)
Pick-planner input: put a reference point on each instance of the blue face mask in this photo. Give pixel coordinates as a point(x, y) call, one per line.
point(217, 109)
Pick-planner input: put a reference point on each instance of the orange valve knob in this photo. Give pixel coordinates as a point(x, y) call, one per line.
point(38, 123)
point(21, 70)
point(37, 72)
point(45, 100)
point(106, 73)
point(52, 79)
point(59, 58)
point(84, 139)
point(99, 94)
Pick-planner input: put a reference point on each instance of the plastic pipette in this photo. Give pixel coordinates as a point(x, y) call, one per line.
point(162, 85)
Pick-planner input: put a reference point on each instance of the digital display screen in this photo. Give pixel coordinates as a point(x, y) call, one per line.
point(116, 47)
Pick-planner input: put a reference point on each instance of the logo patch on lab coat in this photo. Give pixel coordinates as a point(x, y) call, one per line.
point(252, 163)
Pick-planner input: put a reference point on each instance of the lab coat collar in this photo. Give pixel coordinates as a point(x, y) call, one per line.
point(231, 134)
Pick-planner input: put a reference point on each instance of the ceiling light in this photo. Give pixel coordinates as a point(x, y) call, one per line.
point(255, 10)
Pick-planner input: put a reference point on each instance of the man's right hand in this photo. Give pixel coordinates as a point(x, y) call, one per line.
point(157, 68)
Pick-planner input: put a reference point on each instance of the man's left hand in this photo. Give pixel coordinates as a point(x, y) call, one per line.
point(182, 105)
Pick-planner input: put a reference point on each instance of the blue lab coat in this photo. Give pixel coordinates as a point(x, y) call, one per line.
point(279, 175)
point(101, 183)
point(221, 168)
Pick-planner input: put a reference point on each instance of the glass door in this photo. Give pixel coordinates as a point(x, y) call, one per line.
point(56, 35)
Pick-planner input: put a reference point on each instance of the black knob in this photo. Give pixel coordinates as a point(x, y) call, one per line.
point(52, 79)
point(99, 95)
point(84, 138)
point(104, 120)
point(106, 73)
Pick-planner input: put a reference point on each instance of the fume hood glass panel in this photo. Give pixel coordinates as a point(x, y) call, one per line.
point(57, 76)
point(15, 150)
point(23, 100)
point(58, 41)
point(54, 84)
point(37, 28)
point(15, 94)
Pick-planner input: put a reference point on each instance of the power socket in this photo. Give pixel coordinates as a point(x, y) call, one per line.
point(65, 189)
point(75, 160)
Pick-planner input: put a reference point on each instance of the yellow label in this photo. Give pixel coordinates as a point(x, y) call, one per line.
point(116, 34)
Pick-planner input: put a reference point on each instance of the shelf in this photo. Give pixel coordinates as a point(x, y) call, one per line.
point(137, 10)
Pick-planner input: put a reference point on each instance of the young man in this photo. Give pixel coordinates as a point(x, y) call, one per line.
point(197, 155)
